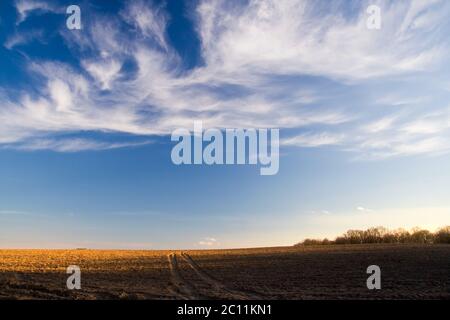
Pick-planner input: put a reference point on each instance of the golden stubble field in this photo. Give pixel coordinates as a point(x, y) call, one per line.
point(322, 272)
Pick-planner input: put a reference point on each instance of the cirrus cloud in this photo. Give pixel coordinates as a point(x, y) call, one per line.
point(296, 65)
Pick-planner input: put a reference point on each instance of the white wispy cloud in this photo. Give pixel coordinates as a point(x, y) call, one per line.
point(382, 124)
point(256, 56)
point(18, 39)
point(26, 7)
point(208, 242)
point(290, 37)
point(73, 145)
point(313, 140)
point(13, 212)
point(150, 21)
point(363, 209)
point(104, 72)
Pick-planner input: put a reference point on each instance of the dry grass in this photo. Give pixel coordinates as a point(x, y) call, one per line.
point(106, 274)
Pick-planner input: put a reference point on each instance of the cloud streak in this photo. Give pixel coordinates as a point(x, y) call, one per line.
point(208, 242)
point(27, 7)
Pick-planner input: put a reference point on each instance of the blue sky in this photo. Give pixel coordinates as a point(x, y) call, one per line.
point(86, 117)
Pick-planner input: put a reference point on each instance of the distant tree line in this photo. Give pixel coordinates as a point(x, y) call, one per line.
point(384, 235)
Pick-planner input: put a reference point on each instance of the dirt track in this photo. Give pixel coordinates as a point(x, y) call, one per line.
point(205, 286)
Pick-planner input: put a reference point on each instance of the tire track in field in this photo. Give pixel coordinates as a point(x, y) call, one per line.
point(216, 286)
point(184, 289)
